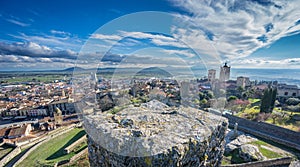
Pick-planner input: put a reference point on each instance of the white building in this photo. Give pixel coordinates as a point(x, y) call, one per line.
point(284, 90)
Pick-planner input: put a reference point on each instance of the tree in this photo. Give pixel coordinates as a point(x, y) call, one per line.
point(203, 103)
point(268, 100)
point(273, 93)
point(265, 102)
point(210, 94)
point(230, 98)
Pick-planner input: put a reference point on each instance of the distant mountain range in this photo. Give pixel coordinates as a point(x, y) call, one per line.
point(290, 76)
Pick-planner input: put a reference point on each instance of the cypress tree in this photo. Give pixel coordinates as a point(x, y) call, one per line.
point(264, 101)
point(268, 100)
point(273, 99)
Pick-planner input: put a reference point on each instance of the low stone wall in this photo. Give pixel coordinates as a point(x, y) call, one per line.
point(10, 156)
point(267, 163)
point(77, 156)
point(68, 149)
point(267, 131)
point(72, 159)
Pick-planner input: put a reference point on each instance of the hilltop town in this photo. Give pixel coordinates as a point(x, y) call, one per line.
point(32, 109)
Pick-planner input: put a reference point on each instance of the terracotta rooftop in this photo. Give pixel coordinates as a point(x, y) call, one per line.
point(19, 131)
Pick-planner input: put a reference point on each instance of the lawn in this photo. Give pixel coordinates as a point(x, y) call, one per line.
point(52, 151)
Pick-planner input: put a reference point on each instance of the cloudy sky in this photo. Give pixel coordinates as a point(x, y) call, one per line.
point(54, 34)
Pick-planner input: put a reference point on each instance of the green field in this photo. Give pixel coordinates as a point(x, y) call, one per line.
point(52, 151)
point(39, 78)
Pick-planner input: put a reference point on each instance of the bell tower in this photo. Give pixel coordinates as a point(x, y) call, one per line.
point(224, 72)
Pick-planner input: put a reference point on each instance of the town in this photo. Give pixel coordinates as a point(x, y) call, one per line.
point(32, 109)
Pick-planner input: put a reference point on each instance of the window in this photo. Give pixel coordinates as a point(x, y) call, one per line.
point(286, 93)
point(294, 94)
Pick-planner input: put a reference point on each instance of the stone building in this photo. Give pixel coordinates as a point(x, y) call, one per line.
point(286, 91)
point(58, 116)
point(224, 72)
point(211, 75)
point(243, 82)
point(65, 105)
point(20, 131)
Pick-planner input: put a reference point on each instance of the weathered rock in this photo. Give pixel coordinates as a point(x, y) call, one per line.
point(106, 102)
point(236, 143)
point(250, 153)
point(242, 139)
point(229, 148)
point(156, 135)
point(126, 122)
point(295, 163)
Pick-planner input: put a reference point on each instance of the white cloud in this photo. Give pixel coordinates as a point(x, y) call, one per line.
point(19, 23)
point(179, 52)
point(34, 50)
point(106, 37)
point(235, 28)
point(266, 63)
point(62, 41)
point(157, 39)
point(57, 32)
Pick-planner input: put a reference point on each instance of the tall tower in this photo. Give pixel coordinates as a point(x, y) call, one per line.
point(224, 73)
point(211, 75)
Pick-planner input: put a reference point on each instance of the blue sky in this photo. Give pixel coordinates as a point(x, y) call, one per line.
point(247, 34)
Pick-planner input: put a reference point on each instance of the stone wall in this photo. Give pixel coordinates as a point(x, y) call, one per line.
point(68, 149)
point(78, 155)
point(267, 131)
point(10, 156)
point(175, 137)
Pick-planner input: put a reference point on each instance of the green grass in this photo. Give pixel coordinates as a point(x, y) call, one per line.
point(249, 113)
point(52, 151)
point(265, 152)
point(251, 100)
point(233, 157)
point(4, 150)
point(41, 78)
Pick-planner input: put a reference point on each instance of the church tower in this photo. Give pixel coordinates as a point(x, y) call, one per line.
point(224, 73)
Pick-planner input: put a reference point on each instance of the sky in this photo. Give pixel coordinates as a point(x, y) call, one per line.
point(59, 34)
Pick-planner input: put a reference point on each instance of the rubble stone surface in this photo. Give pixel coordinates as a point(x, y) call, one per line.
point(156, 135)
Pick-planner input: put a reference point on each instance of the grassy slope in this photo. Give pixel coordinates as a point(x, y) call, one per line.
point(52, 151)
